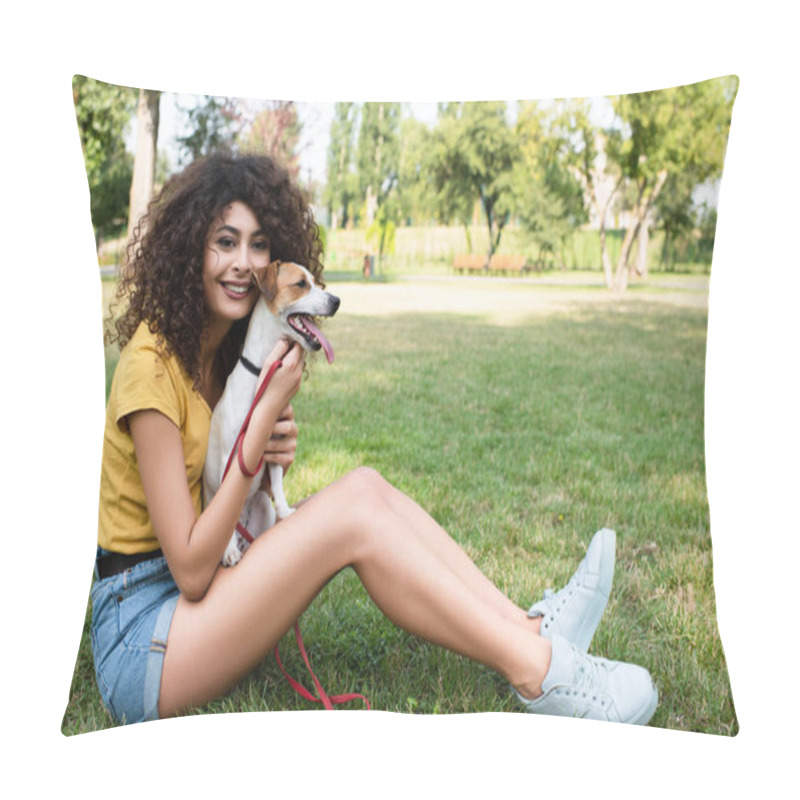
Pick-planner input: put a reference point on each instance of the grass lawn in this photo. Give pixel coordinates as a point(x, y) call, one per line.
point(523, 418)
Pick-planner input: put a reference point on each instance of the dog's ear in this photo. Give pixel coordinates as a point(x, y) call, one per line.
point(266, 278)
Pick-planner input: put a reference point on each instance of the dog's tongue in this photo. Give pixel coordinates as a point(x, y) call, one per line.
point(326, 345)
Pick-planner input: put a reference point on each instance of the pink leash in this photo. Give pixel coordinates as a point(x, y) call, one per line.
point(328, 701)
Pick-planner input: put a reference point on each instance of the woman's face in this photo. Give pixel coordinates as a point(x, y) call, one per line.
point(235, 246)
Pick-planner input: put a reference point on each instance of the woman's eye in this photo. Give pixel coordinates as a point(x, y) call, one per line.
point(261, 245)
point(226, 241)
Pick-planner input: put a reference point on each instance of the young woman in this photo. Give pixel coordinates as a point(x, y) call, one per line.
point(171, 627)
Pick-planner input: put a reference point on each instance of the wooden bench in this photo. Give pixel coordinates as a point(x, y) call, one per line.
point(505, 263)
point(469, 263)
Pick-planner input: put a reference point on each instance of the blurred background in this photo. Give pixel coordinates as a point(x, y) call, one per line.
point(614, 189)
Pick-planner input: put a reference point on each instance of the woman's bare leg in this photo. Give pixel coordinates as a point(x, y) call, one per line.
point(433, 536)
point(357, 521)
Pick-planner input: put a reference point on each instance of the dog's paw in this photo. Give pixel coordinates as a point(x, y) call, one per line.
point(283, 513)
point(232, 554)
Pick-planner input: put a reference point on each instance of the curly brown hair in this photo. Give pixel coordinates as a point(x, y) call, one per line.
point(162, 279)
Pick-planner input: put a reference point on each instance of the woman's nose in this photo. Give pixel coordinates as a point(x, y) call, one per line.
point(243, 259)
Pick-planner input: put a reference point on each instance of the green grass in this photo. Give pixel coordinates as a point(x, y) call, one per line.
point(521, 440)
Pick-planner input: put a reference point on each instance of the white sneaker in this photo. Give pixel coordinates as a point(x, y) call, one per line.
point(580, 685)
point(575, 611)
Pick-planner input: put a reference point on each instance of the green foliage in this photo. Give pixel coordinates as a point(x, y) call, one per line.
point(377, 158)
point(676, 215)
point(416, 195)
point(381, 233)
point(543, 174)
point(706, 227)
point(475, 154)
point(681, 131)
point(550, 201)
point(214, 125)
point(341, 190)
point(110, 197)
point(103, 112)
point(378, 151)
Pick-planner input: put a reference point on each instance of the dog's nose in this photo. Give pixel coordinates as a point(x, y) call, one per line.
point(335, 303)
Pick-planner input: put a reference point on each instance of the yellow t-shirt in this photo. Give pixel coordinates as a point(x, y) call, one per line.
point(145, 379)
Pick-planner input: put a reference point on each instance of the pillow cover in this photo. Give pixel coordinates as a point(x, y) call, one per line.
point(527, 360)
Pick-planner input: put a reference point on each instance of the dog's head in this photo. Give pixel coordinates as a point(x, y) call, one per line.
point(294, 299)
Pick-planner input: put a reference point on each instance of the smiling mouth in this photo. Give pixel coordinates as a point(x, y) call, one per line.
point(311, 334)
point(240, 290)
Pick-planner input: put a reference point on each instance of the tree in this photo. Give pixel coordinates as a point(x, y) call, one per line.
point(383, 229)
point(663, 133)
point(275, 132)
point(416, 194)
point(454, 196)
point(377, 159)
point(550, 196)
point(111, 198)
point(706, 222)
point(675, 215)
point(103, 112)
point(589, 165)
point(214, 125)
point(144, 164)
point(342, 188)
point(476, 153)
point(377, 154)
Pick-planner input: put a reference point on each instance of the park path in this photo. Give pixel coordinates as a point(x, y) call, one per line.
point(504, 302)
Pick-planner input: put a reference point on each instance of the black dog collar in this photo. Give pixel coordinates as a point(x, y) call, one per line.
point(250, 366)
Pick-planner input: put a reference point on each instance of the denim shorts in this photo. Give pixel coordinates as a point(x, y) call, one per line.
point(131, 617)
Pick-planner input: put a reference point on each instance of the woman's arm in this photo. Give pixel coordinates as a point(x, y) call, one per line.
point(193, 545)
point(282, 446)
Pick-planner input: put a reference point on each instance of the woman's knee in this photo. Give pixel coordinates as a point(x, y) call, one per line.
point(367, 495)
point(367, 483)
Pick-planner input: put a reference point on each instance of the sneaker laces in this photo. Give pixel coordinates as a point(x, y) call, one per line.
point(589, 677)
point(550, 598)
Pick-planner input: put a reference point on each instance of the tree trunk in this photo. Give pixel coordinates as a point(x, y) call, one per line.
point(144, 164)
point(605, 256)
point(642, 209)
point(371, 206)
point(665, 249)
point(499, 226)
point(469, 238)
point(644, 227)
point(338, 200)
point(487, 209)
point(641, 253)
point(373, 199)
point(602, 213)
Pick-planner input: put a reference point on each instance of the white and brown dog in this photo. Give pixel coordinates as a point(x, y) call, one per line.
point(288, 301)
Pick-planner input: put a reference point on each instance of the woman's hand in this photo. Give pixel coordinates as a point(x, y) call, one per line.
point(273, 417)
point(281, 447)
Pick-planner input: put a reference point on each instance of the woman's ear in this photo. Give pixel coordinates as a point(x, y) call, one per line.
point(266, 278)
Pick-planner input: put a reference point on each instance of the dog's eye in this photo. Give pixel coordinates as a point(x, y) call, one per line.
point(301, 284)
